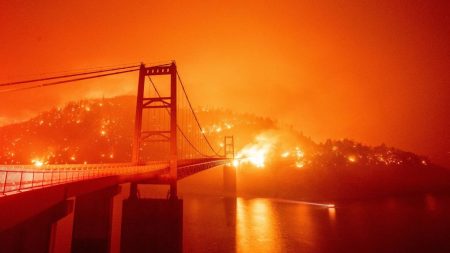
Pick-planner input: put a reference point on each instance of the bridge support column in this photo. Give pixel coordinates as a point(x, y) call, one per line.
point(229, 181)
point(134, 193)
point(35, 234)
point(152, 225)
point(173, 190)
point(92, 221)
point(61, 233)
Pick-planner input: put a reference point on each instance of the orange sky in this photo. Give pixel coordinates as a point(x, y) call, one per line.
point(373, 71)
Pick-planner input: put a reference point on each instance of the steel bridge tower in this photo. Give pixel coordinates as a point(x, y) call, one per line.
point(229, 147)
point(151, 103)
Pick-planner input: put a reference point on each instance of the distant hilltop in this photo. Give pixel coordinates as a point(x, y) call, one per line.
point(68, 134)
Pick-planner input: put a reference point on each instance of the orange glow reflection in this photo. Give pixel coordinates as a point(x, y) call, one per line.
point(255, 223)
point(332, 214)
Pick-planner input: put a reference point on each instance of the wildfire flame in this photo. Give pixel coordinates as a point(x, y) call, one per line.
point(256, 153)
point(37, 162)
point(351, 158)
point(285, 154)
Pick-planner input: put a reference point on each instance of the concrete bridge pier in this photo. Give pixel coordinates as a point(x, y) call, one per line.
point(92, 222)
point(152, 225)
point(35, 234)
point(61, 232)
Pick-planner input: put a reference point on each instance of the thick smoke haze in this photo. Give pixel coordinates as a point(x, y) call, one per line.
point(372, 71)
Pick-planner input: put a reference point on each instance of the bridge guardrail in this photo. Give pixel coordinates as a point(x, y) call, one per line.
point(18, 178)
point(202, 164)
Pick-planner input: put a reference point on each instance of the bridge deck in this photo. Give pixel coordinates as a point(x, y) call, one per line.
point(28, 190)
point(19, 178)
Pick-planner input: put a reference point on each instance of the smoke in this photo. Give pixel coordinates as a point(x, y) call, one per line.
point(22, 105)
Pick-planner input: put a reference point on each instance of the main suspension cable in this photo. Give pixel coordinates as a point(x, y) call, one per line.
point(195, 116)
point(178, 127)
point(65, 81)
point(66, 76)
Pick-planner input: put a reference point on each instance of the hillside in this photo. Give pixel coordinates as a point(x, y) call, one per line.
point(275, 161)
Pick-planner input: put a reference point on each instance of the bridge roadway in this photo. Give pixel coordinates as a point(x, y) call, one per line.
point(26, 190)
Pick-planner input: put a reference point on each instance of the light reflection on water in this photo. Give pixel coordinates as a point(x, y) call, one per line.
point(332, 214)
point(215, 224)
point(261, 225)
point(256, 226)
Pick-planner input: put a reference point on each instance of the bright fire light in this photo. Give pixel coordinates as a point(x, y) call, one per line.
point(351, 158)
point(256, 153)
point(299, 164)
point(299, 152)
point(285, 154)
point(37, 163)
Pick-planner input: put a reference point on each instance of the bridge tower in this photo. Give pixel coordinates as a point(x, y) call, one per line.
point(151, 103)
point(229, 147)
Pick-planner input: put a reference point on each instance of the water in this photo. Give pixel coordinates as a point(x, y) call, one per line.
point(216, 224)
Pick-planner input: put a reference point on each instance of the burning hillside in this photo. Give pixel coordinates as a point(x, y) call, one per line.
point(69, 134)
point(271, 159)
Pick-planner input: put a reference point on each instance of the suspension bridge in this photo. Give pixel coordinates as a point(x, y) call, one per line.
point(169, 144)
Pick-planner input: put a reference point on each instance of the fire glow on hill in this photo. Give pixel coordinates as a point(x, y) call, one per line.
point(67, 134)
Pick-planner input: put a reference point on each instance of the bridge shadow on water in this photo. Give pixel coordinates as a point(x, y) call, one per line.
point(152, 225)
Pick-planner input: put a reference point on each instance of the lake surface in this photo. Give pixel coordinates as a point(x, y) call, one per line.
point(217, 224)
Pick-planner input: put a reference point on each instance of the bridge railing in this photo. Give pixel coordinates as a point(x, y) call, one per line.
point(186, 169)
point(17, 178)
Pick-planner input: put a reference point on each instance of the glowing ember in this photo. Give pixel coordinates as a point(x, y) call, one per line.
point(298, 152)
point(228, 125)
point(351, 158)
point(37, 163)
point(285, 154)
point(299, 164)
